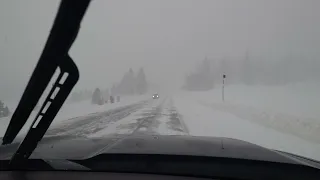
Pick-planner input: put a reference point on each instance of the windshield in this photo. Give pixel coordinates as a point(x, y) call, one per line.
point(247, 70)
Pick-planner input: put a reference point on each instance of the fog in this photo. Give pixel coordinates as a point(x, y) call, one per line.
point(168, 38)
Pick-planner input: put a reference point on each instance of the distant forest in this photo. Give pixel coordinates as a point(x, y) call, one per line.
point(131, 84)
point(251, 71)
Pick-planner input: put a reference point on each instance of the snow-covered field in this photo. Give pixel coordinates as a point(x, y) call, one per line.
point(281, 117)
point(292, 109)
point(300, 99)
point(284, 118)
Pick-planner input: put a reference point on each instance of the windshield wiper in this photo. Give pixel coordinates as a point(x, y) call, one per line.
point(55, 55)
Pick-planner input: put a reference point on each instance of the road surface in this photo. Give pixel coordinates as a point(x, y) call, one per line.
point(179, 115)
point(153, 116)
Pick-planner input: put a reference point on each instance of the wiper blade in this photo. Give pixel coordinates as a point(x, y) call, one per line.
point(55, 54)
point(63, 33)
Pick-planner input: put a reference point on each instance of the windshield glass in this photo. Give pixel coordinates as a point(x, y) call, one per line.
point(247, 70)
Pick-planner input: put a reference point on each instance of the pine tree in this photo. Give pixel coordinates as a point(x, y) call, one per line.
point(127, 84)
point(141, 82)
point(97, 97)
point(131, 82)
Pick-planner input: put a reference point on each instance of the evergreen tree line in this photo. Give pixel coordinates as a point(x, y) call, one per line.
point(130, 84)
point(201, 79)
point(251, 70)
point(78, 96)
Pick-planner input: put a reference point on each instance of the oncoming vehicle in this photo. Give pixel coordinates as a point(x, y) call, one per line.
point(138, 156)
point(155, 96)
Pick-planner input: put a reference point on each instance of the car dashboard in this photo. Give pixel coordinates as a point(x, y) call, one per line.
point(54, 175)
point(125, 166)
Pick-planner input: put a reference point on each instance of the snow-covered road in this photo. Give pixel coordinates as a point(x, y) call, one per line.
point(190, 114)
point(147, 116)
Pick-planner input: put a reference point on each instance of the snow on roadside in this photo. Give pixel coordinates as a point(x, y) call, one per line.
point(299, 100)
point(307, 128)
point(207, 121)
point(293, 108)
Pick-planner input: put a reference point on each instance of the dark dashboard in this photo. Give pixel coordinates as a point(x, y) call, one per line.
point(188, 156)
point(54, 175)
point(122, 166)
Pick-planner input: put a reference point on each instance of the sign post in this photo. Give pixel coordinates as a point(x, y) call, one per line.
point(223, 78)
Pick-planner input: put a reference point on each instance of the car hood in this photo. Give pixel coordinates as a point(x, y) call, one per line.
point(68, 147)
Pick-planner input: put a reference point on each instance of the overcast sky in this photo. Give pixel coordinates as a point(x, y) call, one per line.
point(166, 37)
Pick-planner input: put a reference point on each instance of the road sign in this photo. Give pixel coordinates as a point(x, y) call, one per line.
point(223, 77)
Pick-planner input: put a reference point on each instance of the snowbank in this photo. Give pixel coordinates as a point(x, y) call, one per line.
point(300, 99)
point(207, 121)
point(292, 108)
point(279, 117)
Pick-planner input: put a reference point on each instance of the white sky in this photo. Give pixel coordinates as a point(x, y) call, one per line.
point(166, 37)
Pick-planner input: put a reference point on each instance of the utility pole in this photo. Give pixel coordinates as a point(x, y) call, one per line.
point(223, 78)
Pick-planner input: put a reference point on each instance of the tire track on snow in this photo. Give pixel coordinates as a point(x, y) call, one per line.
point(93, 123)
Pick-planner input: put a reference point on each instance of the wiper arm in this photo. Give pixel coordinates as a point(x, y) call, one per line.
point(55, 54)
